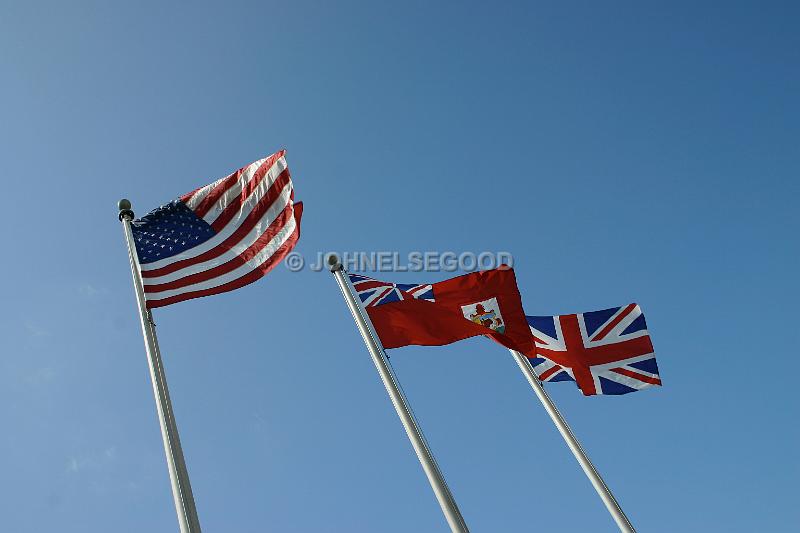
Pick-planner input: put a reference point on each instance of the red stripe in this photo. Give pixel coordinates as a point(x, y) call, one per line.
point(376, 298)
point(216, 193)
point(605, 331)
point(549, 372)
point(368, 284)
point(186, 197)
point(247, 224)
point(233, 208)
point(636, 375)
point(576, 353)
point(537, 339)
point(248, 278)
point(232, 264)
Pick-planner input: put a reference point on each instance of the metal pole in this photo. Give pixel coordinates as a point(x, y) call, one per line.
point(588, 468)
point(178, 474)
point(424, 454)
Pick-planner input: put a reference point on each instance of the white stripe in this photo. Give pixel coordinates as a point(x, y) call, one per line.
point(416, 293)
point(622, 362)
point(379, 293)
point(228, 230)
point(638, 370)
point(237, 273)
point(544, 366)
point(259, 229)
point(619, 378)
point(615, 334)
point(200, 194)
point(236, 189)
point(582, 324)
point(541, 368)
point(555, 344)
point(605, 371)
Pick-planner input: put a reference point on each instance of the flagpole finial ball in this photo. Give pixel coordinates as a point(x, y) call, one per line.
point(124, 206)
point(333, 262)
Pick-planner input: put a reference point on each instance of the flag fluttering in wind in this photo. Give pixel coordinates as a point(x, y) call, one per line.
point(481, 303)
point(605, 352)
point(212, 240)
point(219, 237)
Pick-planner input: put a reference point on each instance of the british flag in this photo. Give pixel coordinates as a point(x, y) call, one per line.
point(605, 352)
point(374, 292)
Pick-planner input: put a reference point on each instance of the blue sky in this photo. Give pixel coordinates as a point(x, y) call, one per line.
point(625, 152)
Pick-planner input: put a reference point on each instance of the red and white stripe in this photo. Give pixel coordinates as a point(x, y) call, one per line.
point(420, 290)
point(621, 372)
point(256, 223)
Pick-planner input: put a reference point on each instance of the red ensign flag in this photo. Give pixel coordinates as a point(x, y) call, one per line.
point(482, 303)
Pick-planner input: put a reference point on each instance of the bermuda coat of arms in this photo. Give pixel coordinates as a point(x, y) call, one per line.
point(485, 313)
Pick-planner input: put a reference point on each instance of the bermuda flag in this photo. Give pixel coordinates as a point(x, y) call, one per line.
point(481, 303)
point(605, 352)
point(219, 237)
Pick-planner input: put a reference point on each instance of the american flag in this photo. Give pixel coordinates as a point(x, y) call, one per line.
point(606, 352)
point(373, 292)
point(219, 237)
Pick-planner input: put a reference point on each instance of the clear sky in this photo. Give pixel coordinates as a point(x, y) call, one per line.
point(622, 152)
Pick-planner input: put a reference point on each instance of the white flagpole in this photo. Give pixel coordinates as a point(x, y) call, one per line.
point(424, 454)
point(178, 474)
point(588, 468)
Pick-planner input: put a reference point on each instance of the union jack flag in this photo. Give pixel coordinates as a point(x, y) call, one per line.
point(605, 352)
point(374, 292)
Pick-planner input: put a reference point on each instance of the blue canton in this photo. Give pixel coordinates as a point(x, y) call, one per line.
point(167, 231)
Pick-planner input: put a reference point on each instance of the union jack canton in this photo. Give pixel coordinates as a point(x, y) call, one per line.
point(605, 352)
point(373, 292)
